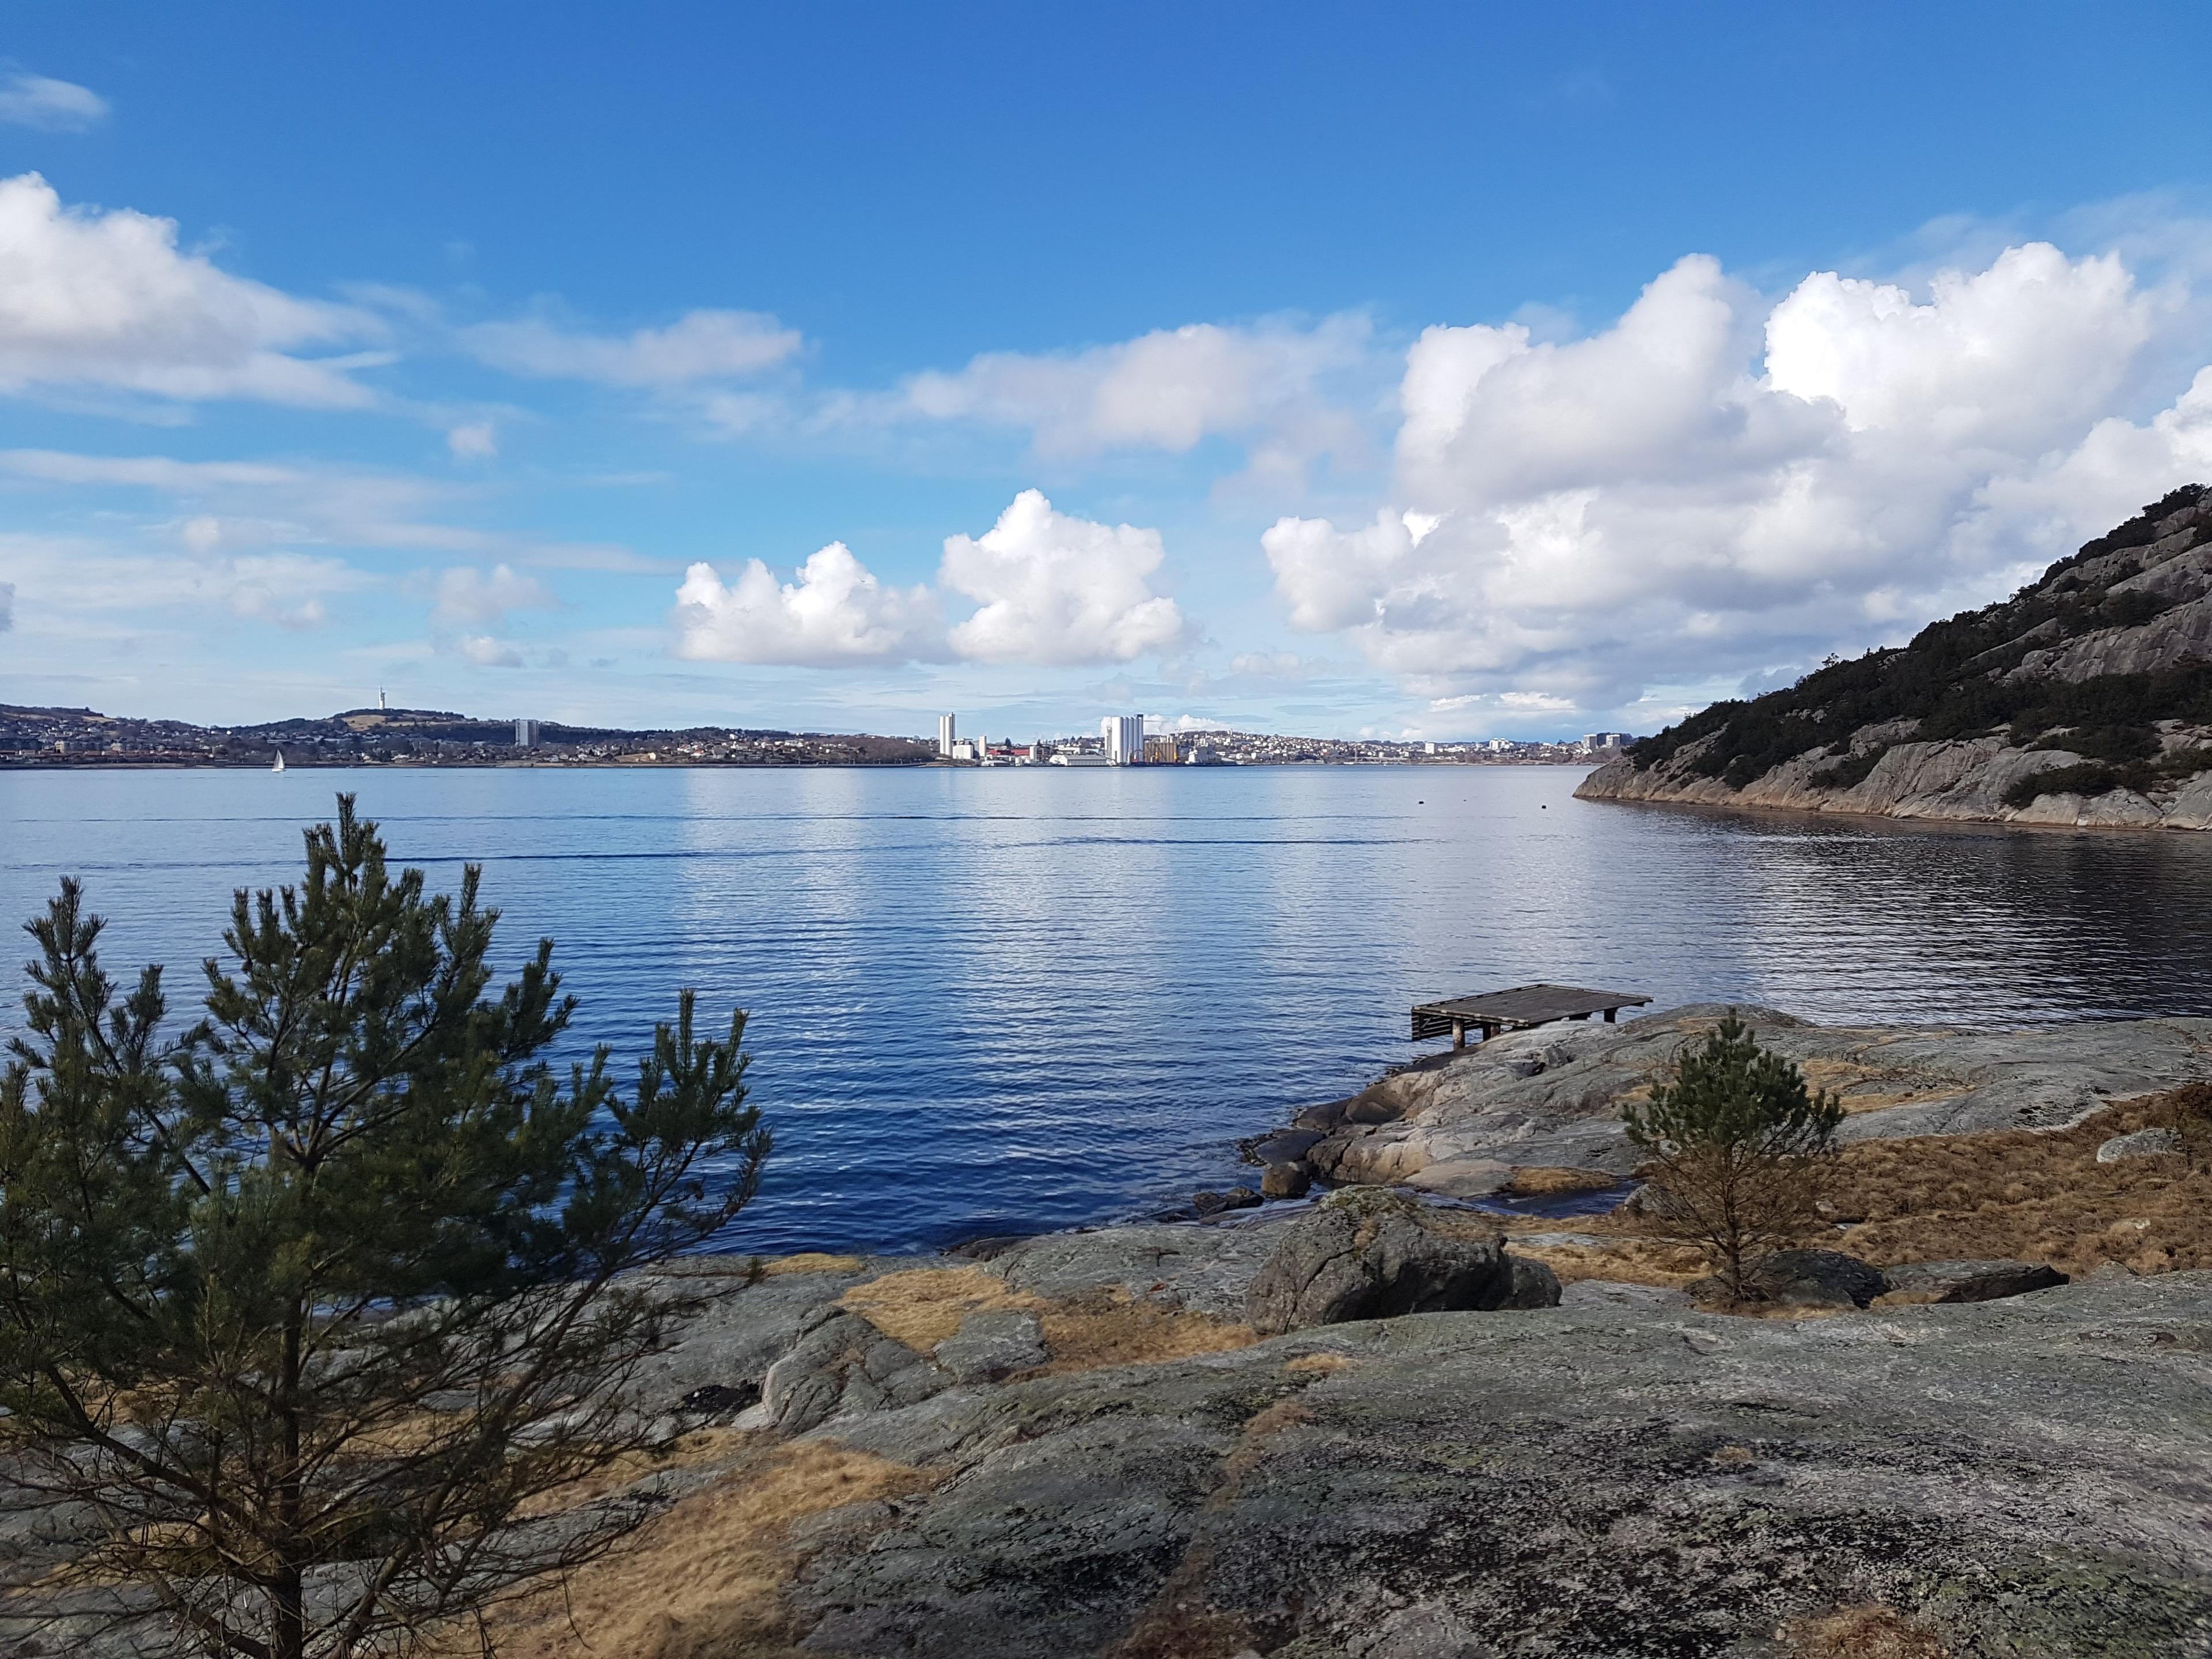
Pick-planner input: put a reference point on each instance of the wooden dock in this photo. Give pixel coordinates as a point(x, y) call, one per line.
point(1516, 1010)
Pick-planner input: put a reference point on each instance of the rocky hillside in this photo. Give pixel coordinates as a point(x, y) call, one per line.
point(2086, 699)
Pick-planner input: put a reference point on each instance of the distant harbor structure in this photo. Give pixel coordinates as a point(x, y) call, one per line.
point(1125, 739)
point(946, 725)
point(525, 734)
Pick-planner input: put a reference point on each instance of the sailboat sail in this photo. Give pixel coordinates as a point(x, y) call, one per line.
point(280, 761)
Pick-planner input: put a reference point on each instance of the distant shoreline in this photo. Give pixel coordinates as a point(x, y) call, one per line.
point(132, 764)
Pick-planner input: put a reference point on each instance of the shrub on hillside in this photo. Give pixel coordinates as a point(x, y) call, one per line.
point(1951, 680)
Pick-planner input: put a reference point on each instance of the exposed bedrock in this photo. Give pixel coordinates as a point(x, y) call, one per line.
point(1961, 779)
point(1461, 1123)
point(1594, 1480)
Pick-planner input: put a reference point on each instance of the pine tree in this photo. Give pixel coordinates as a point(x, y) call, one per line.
point(1736, 1144)
point(312, 1318)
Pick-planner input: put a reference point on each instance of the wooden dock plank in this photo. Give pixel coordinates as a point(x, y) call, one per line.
point(1517, 1009)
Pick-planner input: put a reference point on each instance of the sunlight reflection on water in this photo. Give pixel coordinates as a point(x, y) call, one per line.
point(991, 1000)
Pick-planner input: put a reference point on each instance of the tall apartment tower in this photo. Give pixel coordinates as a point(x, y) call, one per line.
point(525, 734)
point(1125, 739)
point(944, 734)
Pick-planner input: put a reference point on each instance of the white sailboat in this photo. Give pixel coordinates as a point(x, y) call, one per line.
point(280, 761)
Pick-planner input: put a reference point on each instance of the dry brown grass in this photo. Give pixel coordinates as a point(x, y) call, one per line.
point(923, 1306)
point(718, 1445)
point(811, 1262)
point(1626, 1259)
point(2036, 1196)
point(2026, 1195)
point(1541, 1181)
point(705, 1580)
point(1117, 1329)
point(1321, 1364)
point(1862, 1633)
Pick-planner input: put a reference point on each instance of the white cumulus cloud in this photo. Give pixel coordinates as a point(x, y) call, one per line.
point(471, 598)
point(487, 652)
point(701, 345)
point(1170, 390)
point(51, 105)
point(835, 613)
point(2015, 357)
point(1055, 589)
point(1049, 589)
point(1718, 484)
point(106, 298)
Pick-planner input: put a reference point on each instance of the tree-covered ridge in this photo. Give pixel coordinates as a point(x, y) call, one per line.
point(1954, 680)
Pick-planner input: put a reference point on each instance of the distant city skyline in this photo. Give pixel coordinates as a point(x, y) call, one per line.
point(1437, 374)
point(46, 739)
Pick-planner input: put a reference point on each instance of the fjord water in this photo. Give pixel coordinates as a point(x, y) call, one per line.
point(997, 1000)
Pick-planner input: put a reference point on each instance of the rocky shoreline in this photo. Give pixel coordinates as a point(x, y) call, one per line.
point(1957, 780)
point(1091, 1443)
point(1253, 1437)
point(1469, 1124)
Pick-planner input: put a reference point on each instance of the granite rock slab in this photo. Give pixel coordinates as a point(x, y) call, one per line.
point(1595, 1479)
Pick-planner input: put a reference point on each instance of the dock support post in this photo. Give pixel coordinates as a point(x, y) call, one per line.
point(1609, 1014)
point(1459, 1033)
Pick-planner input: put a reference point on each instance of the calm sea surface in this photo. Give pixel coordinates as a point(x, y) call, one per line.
point(991, 1000)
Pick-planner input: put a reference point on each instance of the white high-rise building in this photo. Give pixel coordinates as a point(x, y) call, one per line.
point(525, 734)
point(944, 735)
point(1125, 739)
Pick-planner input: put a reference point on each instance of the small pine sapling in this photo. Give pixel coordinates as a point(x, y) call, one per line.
point(1736, 1146)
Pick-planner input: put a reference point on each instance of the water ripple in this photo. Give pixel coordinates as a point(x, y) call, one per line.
point(989, 1000)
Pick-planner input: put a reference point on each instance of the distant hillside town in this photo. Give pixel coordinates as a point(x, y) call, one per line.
point(383, 736)
point(1123, 740)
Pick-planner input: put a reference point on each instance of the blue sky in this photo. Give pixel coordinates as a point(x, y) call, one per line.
point(1445, 372)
